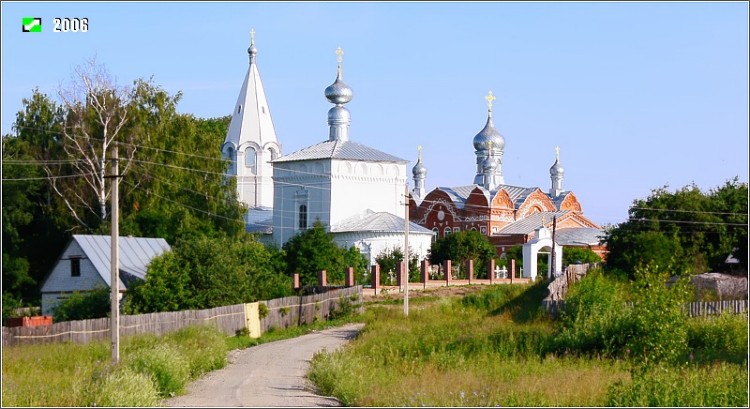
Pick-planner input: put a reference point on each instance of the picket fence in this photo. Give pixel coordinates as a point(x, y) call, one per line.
point(693, 309)
point(282, 313)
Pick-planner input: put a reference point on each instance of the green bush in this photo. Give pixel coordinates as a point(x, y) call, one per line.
point(165, 364)
point(84, 305)
point(722, 337)
point(204, 348)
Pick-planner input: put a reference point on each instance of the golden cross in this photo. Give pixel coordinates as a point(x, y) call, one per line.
point(339, 52)
point(557, 153)
point(252, 36)
point(489, 99)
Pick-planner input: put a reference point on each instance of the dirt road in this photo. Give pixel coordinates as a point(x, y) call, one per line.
point(267, 375)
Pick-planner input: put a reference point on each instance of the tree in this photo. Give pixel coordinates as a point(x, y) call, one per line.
point(84, 306)
point(687, 229)
point(206, 272)
point(388, 260)
point(462, 246)
point(576, 255)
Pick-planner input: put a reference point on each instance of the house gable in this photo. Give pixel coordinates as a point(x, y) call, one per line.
point(60, 279)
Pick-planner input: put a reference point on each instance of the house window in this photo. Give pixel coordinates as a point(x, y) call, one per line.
point(303, 217)
point(75, 267)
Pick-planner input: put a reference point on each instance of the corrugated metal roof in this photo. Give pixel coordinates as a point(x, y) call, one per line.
point(377, 222)
point(558, 199)
point(135, 253)
point(576, 236)
point(340, 150)
point(530, 223)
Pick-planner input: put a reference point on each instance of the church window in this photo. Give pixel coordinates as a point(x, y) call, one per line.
point(239, 108)
point(473, 229)
point(230, 156)
point(447, 232)
point(435, 234)
point(250, 157)
point(483, 230)
point(456, 229)
point(303, 217)
point(263, 109)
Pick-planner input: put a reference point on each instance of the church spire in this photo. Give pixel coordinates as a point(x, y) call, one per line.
point(489, 142)
point(251, 139)
point(338, 94)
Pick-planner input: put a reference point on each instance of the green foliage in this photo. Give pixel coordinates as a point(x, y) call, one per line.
point(314, 250)
point(462, 246)
point(719, 338)
point(659, 322)
point(595, 319)
point(203, 346)
point(722, 385)
point(84, 305)
point(699, 229)
point(389, 259)
point(206, 272)
point(578, 255)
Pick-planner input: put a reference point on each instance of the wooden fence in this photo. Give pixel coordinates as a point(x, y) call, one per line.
point(282, 313)
point(693, 309)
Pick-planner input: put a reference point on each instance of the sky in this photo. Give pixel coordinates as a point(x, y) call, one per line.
point(637, 95)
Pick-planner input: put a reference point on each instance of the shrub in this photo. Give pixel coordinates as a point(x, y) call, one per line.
point(203, 346)
point(725, 336)
point(83, 306)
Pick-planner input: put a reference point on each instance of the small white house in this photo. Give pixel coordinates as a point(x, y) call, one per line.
point(86, 262)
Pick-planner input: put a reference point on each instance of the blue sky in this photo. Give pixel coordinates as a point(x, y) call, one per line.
point(637, 95)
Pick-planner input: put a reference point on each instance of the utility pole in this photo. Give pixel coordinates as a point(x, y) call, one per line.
point(114, 319)
point(406, 249)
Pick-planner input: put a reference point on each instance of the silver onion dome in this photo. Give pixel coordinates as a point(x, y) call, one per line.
point(489, 135)
point(556, 169)
point(419, 171)
point(252, 51)
point(338, 93)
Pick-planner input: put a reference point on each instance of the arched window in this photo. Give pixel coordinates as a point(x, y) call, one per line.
point(448, 231)
point(250, 157)
point(230, 156)
point(456, 229)
point(303, 217)
point(435, 234)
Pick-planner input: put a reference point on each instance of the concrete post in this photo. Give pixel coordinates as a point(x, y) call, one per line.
point(447, 267)
point(375, 273)
point(295, 281)
point(491, 269)
point(349, 281)
point(512, 269)
point(322, 280)
point(424, 268)
point(470, 269)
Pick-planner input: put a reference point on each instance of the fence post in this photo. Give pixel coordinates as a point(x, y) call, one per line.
point(470, 269)
point(349, 277)
point(295, 281)
point(425, 270)
point(375, 269)
point(447, 268)
point(322, 278)
point(512, 269)
point(491, 269)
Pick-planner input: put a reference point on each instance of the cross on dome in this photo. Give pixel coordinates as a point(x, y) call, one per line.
point(252, 36)
point(557, 153)
point(489, 99)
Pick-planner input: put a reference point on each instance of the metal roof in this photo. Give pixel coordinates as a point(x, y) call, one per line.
point(532, 222)
point(259, 220)
point(576, 236)
point(377, 222)
point(135, 253)
point(340, 150)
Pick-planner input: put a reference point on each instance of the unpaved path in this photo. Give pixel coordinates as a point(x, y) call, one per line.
point(267, 375)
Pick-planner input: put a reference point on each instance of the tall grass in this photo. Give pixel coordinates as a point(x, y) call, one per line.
point(497, 348)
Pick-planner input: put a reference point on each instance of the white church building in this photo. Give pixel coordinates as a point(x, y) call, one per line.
point(356, 191)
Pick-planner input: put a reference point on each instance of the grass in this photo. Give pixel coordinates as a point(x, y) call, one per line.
point(495, 348)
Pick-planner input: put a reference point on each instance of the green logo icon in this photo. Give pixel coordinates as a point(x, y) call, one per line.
point(31, 24)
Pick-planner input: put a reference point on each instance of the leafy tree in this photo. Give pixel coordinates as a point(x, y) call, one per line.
point(462, 246)
point(314, 250)
point(576, 255)
point(696, 230)
point(206, 272)
point(84, 305)
point(388, 260)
